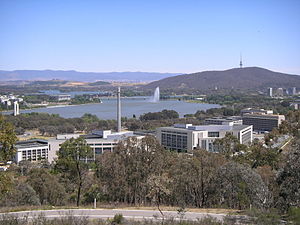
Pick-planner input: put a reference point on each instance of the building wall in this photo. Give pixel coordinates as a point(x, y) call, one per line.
point(98, 146)
point(32, 153)
point(263, 122)
point(184, 140)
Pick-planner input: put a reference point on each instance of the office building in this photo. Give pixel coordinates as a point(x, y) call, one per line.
point(263, 122)
point(279, 92)
point(100, 141)
point(32, 150)
point(186, 137)
point(294, 91)
point(270, 92)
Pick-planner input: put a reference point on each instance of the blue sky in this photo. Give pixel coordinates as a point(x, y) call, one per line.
point(138, 35)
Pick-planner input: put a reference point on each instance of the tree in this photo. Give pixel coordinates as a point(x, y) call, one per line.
point(227, 145)
point(21, 193)
point(191, 176)
point(47, 187)
point(123, 174)
point(238, 186)
point(159, 188)
point(289, 180)
point(257, 155)
point(6, 184)
point(7, 140)
point(73, 160)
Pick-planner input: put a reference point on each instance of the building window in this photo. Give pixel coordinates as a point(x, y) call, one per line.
point(213, 134)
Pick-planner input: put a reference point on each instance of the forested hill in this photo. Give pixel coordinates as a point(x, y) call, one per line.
point(81, 76)
point(241, 78)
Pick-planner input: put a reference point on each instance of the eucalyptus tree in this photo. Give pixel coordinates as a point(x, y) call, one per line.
point(289, 179)
point(123, 174)
point(7, 140)
point(73, 160)
point(238, 186)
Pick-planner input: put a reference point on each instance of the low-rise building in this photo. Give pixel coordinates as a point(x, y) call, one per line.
point(186, 137)
point(61, 97)
point(32, 150)
point(100, 141)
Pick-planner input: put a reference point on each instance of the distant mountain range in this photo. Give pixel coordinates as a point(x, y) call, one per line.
point(238, 78)
point(82, 76)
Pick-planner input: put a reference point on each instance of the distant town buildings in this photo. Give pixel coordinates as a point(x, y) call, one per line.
point(61, 97)
point(8, 100)
point(186, 137)
point(280, 92)
point(296, 104)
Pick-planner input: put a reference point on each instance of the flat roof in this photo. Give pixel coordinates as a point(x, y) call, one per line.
point(31, 143)
point(209, 128)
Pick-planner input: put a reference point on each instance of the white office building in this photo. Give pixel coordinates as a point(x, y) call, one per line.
point(100, 141)
point(32, 150)
point(186, 137)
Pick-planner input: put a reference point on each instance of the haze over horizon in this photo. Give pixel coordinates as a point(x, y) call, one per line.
point(160, 36)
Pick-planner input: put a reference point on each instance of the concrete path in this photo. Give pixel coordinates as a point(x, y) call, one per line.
point(110, 213)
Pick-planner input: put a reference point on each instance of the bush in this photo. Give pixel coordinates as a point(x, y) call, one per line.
point(118, 219)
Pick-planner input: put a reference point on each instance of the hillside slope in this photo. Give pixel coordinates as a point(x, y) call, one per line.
point(239, 78)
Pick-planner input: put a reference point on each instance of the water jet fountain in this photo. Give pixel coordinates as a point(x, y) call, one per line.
point(156, 95)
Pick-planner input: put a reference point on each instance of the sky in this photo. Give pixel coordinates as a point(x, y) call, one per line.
point(180, 36)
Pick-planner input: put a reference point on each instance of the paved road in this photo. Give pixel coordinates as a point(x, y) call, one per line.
point(109, 213)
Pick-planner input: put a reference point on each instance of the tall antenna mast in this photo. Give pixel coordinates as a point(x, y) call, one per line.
point(119, 110)
point(241, 61)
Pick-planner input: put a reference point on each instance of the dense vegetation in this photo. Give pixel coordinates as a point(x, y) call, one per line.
point(50, 125)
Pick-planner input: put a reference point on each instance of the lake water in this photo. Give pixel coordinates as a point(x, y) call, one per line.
point(130, 106)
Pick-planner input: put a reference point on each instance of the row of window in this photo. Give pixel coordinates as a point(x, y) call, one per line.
point(102, 144)
point(35, 154)
point(174, 142)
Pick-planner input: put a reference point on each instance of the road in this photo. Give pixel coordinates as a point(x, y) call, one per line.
point(109, 213)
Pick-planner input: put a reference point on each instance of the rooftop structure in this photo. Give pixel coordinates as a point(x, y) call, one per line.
point(232, 120)
point(256, 111)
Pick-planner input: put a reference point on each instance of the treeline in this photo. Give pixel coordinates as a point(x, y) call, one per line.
point(238, 101)
point(53, 124)
point(165, 114)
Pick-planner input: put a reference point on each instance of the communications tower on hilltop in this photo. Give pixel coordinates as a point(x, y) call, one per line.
point(241, 61)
